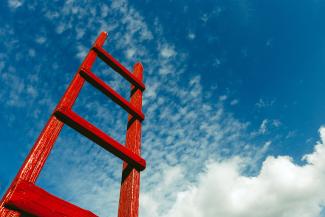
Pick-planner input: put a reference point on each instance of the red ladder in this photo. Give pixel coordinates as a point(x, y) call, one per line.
point(24, 198)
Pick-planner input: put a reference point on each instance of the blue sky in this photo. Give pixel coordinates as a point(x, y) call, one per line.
point(233, 102)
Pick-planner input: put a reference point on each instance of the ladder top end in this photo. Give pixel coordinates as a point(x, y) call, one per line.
point(138, 66)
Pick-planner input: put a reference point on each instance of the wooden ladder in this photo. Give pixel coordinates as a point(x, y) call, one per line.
point(24, 198)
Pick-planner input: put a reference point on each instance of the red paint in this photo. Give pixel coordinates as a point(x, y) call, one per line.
point(108, 91)
point(24, 198)
point(118, 67)
point(130, 185)
point(33, 200)
point(96, 135)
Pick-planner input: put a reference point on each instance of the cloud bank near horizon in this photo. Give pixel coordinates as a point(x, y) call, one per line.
point(281, 188)
point(198, 151)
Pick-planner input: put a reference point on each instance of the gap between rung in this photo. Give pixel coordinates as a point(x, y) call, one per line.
point(108, 91)
point(96, 135)
point(118, 67)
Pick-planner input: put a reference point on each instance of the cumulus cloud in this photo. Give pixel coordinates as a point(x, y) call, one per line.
point(282, 188)
point(183, 126)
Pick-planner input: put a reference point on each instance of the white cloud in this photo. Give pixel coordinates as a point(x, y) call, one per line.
point(191, 36)
point(291, 134)
point(262, 103)
point(130, 53)
point(31, 53)
point(263, 128)
point(234, 102)
point(282, 188)
point(32, 92)
point(60, 28)
point(182, 131)
point(13, 4)
point(223, 97)
point(167, 51)
point(204, 18)
point(217, 62)
point(40, 40)
point(266, 126)
point(104, 11)
point(269, 42)
point(81, 52)
point(276, 123)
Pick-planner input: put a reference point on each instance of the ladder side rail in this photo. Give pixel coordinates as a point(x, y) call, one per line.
point(37, 157)
point(130, 184)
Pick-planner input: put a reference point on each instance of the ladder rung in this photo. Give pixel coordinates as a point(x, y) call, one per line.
point(96, 135)
point(118, 67)
point(108, 91)
point(30, 199)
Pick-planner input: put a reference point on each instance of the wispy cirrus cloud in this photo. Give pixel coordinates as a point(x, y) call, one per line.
point(190, 140)
point(181, 123)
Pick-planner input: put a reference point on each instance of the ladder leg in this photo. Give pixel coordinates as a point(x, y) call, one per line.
point(34, 162)
point(36, 159)
point(130, 185)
